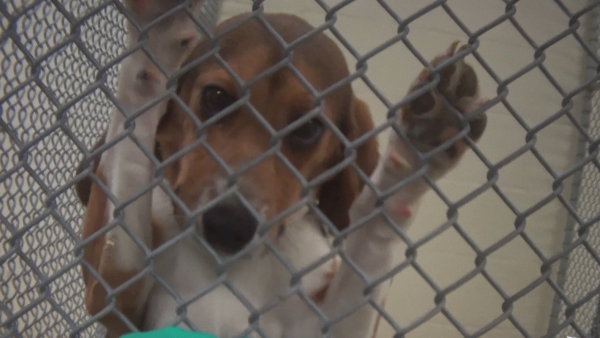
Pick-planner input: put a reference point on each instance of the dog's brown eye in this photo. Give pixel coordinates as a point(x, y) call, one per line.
point(214, 100)
point(307, 135)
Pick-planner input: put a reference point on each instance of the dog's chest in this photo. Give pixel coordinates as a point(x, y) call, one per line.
point(192, 291)
point(195, 293)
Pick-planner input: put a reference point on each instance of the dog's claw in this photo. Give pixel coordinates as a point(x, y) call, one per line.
point(452, 49)
point(423, 76)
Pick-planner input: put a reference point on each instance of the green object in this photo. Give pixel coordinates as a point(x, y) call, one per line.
point(169, 332)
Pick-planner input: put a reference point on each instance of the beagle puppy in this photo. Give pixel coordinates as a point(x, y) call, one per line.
point(209, 210)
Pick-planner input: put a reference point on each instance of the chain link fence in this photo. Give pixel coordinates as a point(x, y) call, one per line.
point(56, 56)
point(579, 275)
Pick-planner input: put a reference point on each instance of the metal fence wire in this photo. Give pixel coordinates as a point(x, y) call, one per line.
point(57, 57)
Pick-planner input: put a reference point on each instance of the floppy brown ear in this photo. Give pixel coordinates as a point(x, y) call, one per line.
point(83, 188)
point(336, 196)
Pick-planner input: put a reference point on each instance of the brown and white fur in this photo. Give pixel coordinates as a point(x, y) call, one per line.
point(257, 274)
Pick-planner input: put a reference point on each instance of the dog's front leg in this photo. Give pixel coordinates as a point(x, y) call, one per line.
point(373, 246)
point(125, 170)
point(118, 256)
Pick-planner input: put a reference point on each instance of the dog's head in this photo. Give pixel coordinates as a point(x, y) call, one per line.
point(260, 141)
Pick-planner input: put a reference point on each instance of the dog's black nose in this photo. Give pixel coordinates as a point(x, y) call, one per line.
point(229, 226)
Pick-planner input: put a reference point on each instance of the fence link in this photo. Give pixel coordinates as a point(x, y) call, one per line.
point(53, 65)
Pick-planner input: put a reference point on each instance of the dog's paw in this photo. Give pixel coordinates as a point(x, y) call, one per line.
point(169, 38)
point(430, 123)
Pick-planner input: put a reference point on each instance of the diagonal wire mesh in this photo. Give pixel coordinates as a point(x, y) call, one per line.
point(52, 111)
point(578, 274)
